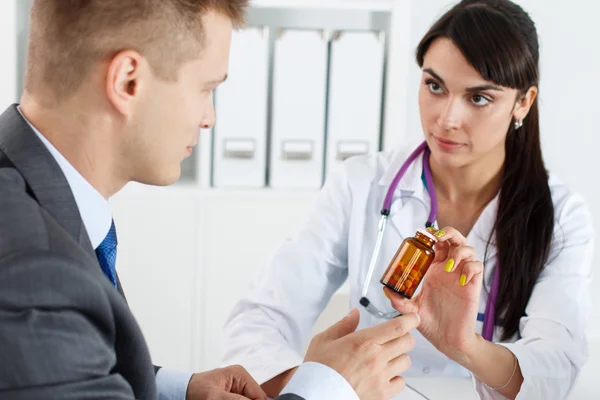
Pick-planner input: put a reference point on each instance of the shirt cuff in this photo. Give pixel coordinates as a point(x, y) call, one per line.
point(172, 384)
point(314, 381)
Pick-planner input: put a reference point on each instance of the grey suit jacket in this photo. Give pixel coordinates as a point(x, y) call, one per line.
point(65, 332)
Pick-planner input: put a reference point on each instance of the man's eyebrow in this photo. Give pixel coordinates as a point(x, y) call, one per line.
point(217, 81)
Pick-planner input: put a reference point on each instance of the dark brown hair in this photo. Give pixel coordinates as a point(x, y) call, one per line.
point(500, 41)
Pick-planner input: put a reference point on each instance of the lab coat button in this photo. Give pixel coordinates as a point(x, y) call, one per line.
point(426, 370)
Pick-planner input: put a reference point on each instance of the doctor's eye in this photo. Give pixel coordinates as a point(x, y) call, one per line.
point(434, 87)
point(480, 100)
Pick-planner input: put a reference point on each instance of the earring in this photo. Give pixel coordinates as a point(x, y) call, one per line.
point(518, 123)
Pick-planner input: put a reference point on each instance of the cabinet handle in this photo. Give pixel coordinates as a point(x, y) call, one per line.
point(239, 148)
point(297, 150)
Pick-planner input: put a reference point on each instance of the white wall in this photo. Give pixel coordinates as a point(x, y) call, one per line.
point(569, 103)
point(8, 53)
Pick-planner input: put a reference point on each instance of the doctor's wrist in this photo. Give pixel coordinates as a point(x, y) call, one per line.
point(469, 352)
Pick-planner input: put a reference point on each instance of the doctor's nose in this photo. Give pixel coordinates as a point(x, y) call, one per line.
point(451, 116)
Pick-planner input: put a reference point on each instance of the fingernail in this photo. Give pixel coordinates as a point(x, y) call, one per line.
point(449, 265)
point(386, 295)
point(440, 233)
point(463, 280)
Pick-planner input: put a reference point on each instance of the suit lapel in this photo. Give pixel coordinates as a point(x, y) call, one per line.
point(44, 177)
point(120, 288)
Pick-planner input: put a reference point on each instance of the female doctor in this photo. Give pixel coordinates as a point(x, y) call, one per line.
point(506, 299)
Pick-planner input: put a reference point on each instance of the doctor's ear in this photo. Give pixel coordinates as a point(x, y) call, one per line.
point(524, 102)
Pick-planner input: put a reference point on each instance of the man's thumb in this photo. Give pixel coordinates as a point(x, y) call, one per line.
point(343, 327)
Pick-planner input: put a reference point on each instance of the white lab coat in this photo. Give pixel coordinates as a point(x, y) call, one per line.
point(267, 330)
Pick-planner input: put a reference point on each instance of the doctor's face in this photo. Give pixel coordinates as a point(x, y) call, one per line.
point(464, 117)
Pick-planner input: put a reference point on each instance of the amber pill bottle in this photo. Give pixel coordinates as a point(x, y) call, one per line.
point(411, 262)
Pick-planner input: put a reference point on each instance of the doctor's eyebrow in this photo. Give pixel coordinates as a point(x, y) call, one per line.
point(470, 89)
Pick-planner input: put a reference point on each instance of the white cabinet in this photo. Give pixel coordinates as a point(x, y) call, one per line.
point(157, 255)
point(186, 256)
point(240, 233)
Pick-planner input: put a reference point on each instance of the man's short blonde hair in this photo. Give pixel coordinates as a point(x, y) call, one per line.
point(68, 37)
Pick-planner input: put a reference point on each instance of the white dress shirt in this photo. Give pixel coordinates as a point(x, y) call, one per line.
point(97, 218)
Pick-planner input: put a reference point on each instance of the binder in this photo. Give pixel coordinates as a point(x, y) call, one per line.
point(240, 132)
point(298, 110)
point(355, 92)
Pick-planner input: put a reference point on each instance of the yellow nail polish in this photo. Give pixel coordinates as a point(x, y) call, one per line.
point(449, 265)
point(463, 280)
point(386, 295)
point(440, 233)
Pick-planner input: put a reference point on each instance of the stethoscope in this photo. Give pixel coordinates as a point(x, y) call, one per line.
point(489, 317)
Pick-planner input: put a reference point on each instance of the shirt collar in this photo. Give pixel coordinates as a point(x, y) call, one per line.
point(93, 207)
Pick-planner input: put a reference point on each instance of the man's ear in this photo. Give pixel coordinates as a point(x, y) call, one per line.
point(123, 79)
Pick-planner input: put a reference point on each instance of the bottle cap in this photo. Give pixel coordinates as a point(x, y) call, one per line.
point(430, 233)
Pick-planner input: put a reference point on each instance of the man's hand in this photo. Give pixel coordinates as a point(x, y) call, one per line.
point(231, 383)
point(372, 359)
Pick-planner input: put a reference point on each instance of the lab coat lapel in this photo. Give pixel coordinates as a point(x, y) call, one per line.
point(410, 203)
point(480, 236)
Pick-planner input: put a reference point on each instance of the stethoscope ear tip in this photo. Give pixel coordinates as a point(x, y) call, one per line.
point(364, 302)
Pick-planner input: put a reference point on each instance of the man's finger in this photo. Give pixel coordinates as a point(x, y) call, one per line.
point(397, 385)
point(233, 396)
point(399, 346)
point(398, 366)
point(343, 327)
point(392, 329)
point(244, 384)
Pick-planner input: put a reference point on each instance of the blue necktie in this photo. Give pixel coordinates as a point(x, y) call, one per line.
point(107, 254)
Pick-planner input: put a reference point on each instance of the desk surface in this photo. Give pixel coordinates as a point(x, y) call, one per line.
point(438, 389)
point(449, 389)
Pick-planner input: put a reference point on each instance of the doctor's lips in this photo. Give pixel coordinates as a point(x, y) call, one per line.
point(447, 144)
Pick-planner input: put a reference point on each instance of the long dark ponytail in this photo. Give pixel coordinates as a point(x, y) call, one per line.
point(500, 40)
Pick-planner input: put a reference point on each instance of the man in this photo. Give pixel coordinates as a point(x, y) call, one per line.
point(116, 91)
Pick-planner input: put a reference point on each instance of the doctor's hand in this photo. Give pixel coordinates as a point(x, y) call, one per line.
point(230, 383)
point(448, 301)
point(372, 359)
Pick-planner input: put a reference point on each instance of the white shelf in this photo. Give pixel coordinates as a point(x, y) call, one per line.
point(372, 5)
